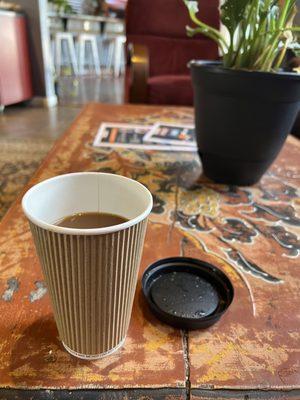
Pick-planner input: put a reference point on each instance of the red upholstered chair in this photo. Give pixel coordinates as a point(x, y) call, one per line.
point(160, 50)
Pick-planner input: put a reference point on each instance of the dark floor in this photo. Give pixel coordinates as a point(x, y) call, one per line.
point(21, 121)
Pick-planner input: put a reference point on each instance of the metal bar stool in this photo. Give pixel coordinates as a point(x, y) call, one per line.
point(119, 55)
point(83, 40)
point(107, 48)
point(67, 37)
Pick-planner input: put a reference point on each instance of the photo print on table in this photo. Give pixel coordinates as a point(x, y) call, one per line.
point(131, 136)
point(173, 134)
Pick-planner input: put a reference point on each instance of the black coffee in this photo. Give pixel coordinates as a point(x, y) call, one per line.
point(91, 220)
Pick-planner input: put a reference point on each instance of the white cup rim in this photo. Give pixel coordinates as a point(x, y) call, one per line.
point(90, 232)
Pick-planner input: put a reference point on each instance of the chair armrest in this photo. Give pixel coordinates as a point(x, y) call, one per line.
point(139, 73)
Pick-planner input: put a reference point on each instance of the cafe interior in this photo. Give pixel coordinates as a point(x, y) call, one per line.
point(198, 101)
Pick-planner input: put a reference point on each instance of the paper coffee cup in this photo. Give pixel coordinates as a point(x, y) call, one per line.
point(91, 274)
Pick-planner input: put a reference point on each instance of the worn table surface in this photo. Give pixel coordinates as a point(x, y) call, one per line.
point(252, 234)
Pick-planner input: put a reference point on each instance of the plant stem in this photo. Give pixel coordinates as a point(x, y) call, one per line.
point(206, 28)
point(208, 33)
point(237, 59)
point(284, 16)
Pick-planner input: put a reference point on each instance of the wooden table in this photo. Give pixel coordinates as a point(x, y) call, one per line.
point(252, 234)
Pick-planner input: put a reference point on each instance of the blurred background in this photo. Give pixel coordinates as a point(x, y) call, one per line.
point(56, 56)
point(70, 51)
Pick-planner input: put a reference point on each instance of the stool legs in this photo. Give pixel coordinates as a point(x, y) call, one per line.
point(73, 55)
point(119, 53)
point(81, 53)
point(83, 40)
point(107, 53)
point(58, 55)
point(115, 53)
point(68, 38)
point(96, 57)
point(110, 55)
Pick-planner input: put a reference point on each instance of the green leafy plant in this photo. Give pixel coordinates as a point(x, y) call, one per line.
point(62, 6)
point(258, 32)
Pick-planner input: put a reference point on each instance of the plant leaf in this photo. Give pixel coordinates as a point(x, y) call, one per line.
point(232, 13)
point(192, 6)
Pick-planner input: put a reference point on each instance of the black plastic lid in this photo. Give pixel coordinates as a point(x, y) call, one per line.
point(187, 293)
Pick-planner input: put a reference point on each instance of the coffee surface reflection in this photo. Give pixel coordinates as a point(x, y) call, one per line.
point(91, 220)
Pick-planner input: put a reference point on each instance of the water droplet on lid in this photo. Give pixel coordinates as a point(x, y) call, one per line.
point(164, 299)
point(199, 313)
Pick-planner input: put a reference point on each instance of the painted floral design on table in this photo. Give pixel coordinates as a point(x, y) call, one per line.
point(250, 233)
point(233, 223)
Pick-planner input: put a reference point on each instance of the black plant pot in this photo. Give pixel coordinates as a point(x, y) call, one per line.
point(242, 119)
